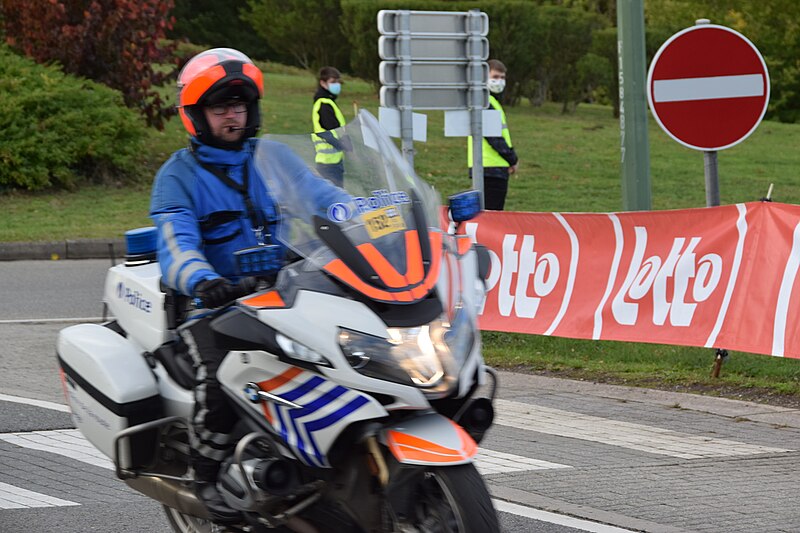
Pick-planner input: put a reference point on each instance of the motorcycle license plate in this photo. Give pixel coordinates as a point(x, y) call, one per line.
point(383, 221)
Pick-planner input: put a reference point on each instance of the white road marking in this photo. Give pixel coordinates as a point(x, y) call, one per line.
point(48, 320)
point(35, 403)
point(12, 497)
point(616, 433)
point(554, 518)
point(711, 88)
point(67, 442)
point(492, 462)
point(70, 443)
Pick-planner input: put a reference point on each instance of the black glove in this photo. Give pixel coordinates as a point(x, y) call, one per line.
point(215, 292)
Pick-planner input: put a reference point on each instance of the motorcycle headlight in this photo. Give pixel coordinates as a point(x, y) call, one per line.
point(428, 357)
point(301, 352)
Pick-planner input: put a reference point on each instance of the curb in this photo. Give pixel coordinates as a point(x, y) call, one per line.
point(66, 249)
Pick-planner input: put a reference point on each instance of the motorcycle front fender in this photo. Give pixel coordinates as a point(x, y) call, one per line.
point(430, 440)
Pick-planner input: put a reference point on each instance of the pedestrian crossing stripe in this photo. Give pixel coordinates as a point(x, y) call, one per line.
point(12, 497)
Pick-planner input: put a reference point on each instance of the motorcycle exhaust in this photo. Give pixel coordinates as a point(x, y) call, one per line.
point(171, 493)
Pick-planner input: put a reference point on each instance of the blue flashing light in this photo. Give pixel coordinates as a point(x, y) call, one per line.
point(260, 260)
point(141, 241)
point(465, 205)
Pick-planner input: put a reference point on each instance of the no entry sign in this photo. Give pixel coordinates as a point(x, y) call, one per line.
point(708, 87)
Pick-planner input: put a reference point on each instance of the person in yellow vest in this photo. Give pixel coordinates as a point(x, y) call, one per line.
point(499, 158)
point(326, 118)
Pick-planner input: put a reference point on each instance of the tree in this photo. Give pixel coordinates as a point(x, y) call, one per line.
point(306, 31)
point(114, 42)
point(219, 24)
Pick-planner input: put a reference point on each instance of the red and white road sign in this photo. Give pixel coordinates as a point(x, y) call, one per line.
point(708, 87)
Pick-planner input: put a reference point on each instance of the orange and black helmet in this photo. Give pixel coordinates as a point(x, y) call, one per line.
point(216, 76)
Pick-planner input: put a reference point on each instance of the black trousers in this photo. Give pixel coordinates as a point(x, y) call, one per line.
point(333, 173)
point(494, 193)
point(214, 417)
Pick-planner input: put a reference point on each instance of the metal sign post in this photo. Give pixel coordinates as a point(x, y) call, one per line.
point(404, 80)
point(634, 146)
point(476, 101)
point(712, 178)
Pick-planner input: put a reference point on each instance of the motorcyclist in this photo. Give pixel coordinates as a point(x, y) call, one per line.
point(208, 201)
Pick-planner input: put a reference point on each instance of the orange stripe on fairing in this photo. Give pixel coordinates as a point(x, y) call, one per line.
point(414, 266)
point(404, 439)
point(433, 274)
point(340, 270)
point(410, 448)
point(382, 266)
point(268, 299)
point(464, 244)
point(468, 444)
point(267, 413)
point(280, 379)
point(343, 272)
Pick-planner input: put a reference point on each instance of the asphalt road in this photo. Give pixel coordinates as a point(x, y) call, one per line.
point(613, 458)
point(41, 491)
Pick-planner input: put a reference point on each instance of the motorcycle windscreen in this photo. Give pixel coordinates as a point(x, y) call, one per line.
point(377, 230)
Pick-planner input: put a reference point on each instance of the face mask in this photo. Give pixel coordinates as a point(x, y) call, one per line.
point(335, 88)
point(497, 86)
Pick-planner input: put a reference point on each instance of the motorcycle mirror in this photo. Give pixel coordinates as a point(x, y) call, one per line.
point(465, 205)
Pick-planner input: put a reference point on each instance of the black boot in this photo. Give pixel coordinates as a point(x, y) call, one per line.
point(219, 510)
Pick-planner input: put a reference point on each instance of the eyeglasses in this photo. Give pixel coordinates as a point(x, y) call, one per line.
point(222, 109)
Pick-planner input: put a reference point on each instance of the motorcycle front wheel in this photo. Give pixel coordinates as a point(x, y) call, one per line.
point(452, 499)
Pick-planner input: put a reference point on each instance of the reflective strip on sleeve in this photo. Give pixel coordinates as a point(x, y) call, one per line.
point(177, 275)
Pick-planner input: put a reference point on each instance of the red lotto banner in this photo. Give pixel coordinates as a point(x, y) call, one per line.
point(716, 277)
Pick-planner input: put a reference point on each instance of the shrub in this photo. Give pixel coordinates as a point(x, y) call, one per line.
point(59, 130)
point(115, 42)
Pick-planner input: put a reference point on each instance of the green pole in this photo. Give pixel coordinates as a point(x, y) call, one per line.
point(634, 147)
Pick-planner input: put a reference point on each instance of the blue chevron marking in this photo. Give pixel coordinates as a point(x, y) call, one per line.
point(304, 388)
point(319, 403)
point(301, 445)
point(281, 424)
point(329, 420)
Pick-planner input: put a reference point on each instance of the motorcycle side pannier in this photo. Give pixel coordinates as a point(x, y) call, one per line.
point(109, 387)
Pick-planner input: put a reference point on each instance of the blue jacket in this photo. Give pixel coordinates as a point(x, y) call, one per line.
point(202, 220)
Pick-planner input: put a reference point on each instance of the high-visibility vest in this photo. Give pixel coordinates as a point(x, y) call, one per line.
point(326, 153)
point(490, 156)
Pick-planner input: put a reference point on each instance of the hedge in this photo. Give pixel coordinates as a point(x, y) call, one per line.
point(59, 130)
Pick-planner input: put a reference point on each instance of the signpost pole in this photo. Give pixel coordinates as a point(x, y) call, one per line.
point(404, 80)
point(635, 151)
point(476, 92)
point(712, 178)
point(710, 162)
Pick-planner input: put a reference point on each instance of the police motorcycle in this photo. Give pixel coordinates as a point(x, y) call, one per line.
point(356, 371)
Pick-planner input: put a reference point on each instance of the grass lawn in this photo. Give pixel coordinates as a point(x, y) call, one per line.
point(567, 163)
